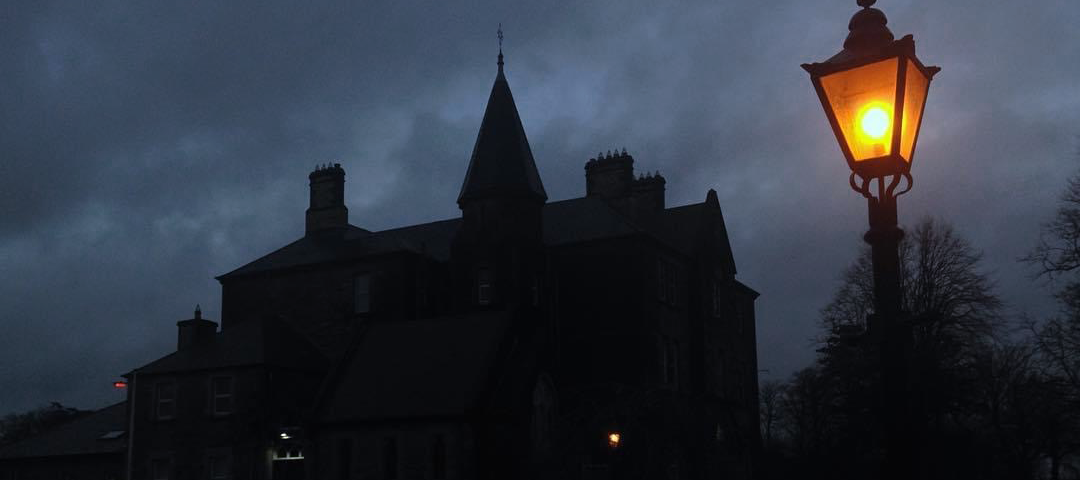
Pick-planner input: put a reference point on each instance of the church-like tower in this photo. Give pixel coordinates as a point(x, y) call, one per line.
point(497, 252)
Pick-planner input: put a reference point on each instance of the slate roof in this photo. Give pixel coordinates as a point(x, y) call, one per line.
point(81, 436)
point(565, 222)
point(265, 342)
point(416, 368)
point(502, 163)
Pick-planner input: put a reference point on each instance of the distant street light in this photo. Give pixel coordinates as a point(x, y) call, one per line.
point(873, 93)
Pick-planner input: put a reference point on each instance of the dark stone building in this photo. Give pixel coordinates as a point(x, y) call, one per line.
point(597, 337)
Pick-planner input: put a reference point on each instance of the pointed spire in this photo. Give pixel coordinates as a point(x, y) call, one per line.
point(502, 163)
point(500, 48)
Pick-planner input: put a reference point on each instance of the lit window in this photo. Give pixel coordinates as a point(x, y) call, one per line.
point(165, 394)
point(219, 467)
point(483, 286)
point(222, 392)
point(362, 293)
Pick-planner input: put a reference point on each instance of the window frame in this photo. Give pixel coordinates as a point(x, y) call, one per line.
point(439, 457)
point(365, 307)
point(390, 458)
point(215, 395)
point(159, 386)
point(219, 459)
point(484, 286)
point(165, 465)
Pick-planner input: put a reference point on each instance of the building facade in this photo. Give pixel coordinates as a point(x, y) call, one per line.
point(604, 336)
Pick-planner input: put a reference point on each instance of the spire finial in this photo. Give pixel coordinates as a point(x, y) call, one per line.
point(198, 312)
point(500, 34)
point(866, 3)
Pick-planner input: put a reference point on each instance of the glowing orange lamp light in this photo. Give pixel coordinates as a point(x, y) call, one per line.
point(613, 439)
point(873, 93)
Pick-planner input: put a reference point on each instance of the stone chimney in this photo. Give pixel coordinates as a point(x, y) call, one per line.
point(609, 177)
point(326, 210)
point(649, 193)
point(195, 331)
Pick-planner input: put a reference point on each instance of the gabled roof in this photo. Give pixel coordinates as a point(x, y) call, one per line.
point(690, 227)
point(82, 436)
point(265, 342)
point(502, 163)
point(415, 368)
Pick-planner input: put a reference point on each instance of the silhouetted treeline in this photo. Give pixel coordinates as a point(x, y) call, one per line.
point(987, 398)
point(18, 426)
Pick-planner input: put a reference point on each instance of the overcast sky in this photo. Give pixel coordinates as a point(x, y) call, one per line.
point(145, 149)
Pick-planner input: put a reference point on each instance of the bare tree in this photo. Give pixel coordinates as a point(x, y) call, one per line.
point(1057, 259)
point(942, 287)
point(770, 395)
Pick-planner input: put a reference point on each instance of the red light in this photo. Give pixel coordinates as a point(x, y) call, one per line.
point(119, 384)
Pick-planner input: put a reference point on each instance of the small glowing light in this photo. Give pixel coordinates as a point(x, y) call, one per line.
point(285, 436)
point(875, 122)
point(119, 384)
point(613, 439)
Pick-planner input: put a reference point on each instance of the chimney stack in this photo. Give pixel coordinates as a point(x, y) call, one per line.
point(609, 177)
point(194, 331)
point(327, 207)
point(649, 193)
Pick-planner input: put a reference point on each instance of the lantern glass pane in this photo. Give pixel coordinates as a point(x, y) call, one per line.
point(915, 86)
point(862, 100)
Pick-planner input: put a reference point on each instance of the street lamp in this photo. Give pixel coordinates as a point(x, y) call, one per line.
point(873, 93)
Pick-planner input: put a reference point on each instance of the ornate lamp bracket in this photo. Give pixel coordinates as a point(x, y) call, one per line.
point(864, 185)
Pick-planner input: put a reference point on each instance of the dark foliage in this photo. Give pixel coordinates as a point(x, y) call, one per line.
point(19, 426)
point(982, 406)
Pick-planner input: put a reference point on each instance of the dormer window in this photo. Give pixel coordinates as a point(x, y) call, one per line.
point(362, 293)
point(483, 286)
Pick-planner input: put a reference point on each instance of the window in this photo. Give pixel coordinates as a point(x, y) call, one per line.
point(344, 458)
point(669, 362)
point(536, 291)
point(218, 467)
point(159, 469)
point(165, 399)
point(483, 286)
point(716, 301)
point(438, 457)
point(222, 395)
point(390, 458)
point(362, 293)
point(666, 276)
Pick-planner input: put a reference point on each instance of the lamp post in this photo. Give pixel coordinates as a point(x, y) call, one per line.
point(873, 93)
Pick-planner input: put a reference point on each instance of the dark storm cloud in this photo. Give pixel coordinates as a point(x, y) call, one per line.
point(147, 148)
